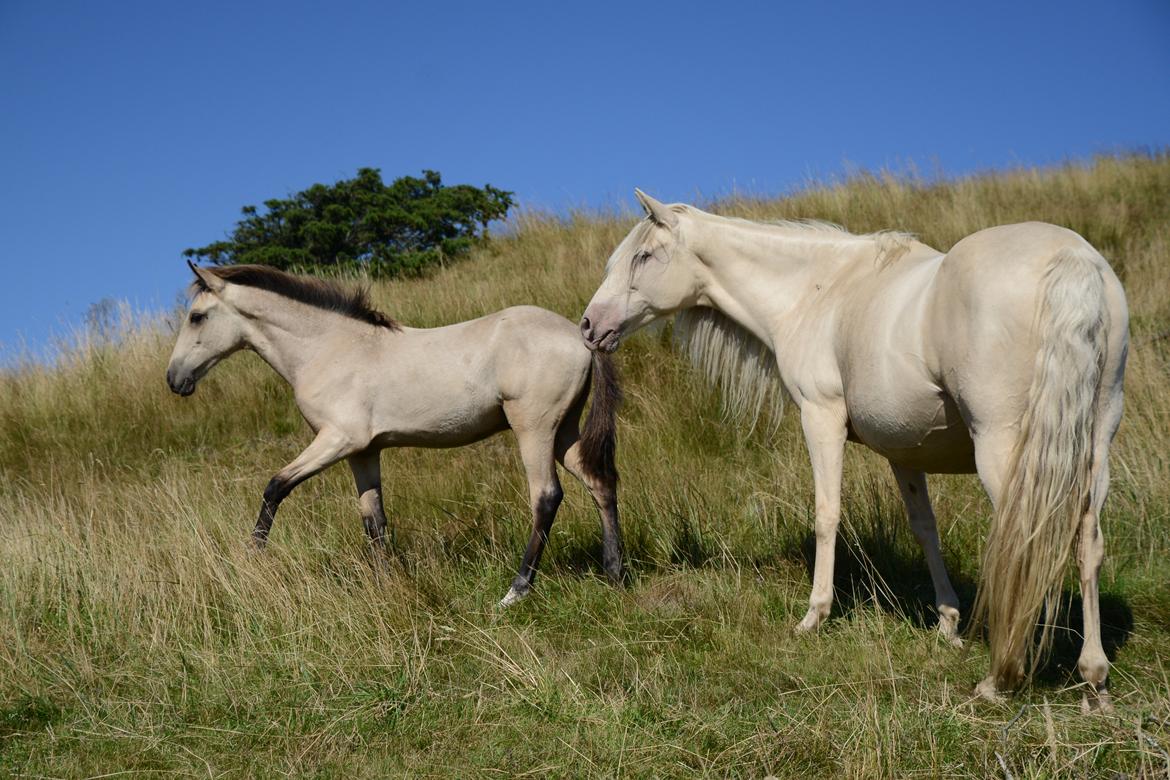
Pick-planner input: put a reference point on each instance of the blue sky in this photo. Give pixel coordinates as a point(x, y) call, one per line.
point(129, 131)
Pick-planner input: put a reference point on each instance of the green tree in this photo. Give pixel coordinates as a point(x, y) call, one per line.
point(389, 230)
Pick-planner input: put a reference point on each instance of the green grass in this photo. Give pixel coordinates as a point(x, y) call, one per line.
point(139, 635)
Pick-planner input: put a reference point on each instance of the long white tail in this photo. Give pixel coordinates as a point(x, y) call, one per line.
point(1046, 492)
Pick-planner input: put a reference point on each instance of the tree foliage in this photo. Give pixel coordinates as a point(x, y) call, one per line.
point(389, 230)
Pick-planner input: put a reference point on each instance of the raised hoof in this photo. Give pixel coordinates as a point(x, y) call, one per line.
point(511, 597)
point(986, 690)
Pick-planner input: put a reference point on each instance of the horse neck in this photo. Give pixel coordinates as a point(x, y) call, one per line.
point(289, 335)
point(764, 276)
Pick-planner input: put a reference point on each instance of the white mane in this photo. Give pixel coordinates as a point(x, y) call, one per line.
point(889, 245)
point(733, 360)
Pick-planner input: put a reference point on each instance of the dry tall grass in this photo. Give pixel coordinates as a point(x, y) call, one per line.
point(138, 634)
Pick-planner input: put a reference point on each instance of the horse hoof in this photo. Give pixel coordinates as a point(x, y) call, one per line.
point(511, 597)
point(948, 626)
point(811, 622)
point(950, 636)
point(1097, 703)
point(986, 690)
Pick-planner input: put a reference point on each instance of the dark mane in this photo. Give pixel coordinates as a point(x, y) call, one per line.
point(352, 302)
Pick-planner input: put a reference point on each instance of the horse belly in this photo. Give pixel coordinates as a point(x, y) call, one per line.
point(445, 425)
point(925, 432)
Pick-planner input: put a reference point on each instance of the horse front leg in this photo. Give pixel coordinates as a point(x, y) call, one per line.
point(824, 433)
point(329, 447)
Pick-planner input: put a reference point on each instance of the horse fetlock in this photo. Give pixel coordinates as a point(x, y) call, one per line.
point(988, 691)
point(813, 618)
point(948, 625)
point(1094, 668)
point(514, 595)
point(370, 504)
point(259, 537)
point(611, 557)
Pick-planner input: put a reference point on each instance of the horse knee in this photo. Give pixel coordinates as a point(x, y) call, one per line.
point(276, 490)
point(548, 501)
point(825, 530)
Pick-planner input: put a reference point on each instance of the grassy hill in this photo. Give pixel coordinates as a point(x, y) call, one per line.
point(138, 634)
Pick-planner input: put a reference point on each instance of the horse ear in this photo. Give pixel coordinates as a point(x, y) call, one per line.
point(207, 280)
point(659, 212)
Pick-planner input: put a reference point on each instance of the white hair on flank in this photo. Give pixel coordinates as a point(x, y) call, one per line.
point(741, 366)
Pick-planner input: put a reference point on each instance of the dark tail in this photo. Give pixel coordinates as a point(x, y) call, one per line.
point(599, 439)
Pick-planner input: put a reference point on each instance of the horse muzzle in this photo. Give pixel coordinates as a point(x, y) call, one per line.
point(184, 386)
point(599, 337)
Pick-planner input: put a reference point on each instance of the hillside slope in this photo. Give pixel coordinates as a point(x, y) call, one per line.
point(137, 633)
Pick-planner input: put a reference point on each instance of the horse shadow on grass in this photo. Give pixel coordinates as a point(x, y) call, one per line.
point(877, 563)
point(874, 564)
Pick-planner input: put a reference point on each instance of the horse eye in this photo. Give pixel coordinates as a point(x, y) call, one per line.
point(197, 317)
point(641, 257)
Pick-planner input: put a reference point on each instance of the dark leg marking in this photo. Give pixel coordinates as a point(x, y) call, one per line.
point(611, 535)
point(276, 492)
point(543, 515)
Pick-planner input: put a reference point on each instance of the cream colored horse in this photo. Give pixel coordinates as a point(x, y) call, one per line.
point(364, 383)
point(1004, 356)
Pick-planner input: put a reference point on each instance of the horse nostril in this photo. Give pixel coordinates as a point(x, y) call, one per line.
point(585, 329)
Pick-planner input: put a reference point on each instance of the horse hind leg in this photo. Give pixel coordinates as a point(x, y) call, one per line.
point(603, 489)
point(544, 493)
point(912, 485)
point(367, 475)
point(993, 453)
point(1093, 664)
